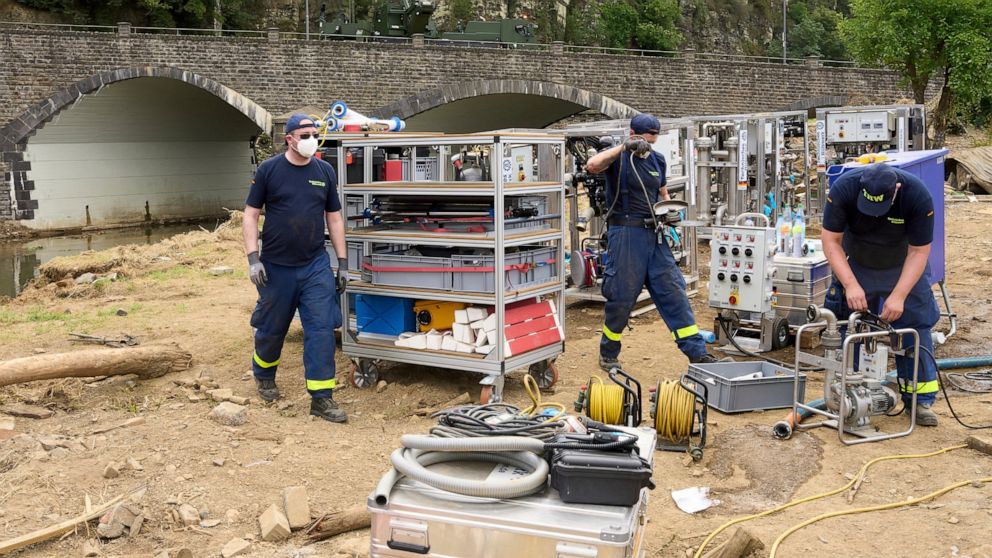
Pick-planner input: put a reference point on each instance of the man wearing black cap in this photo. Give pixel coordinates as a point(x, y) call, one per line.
point(635, 181)
point(877, 230)
point(300, 196)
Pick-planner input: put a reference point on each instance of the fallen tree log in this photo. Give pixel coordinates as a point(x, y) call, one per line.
point(342, 521)
point(147, 362)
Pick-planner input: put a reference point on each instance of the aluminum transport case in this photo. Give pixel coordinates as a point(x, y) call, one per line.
point(422, 521)
point(798, 283)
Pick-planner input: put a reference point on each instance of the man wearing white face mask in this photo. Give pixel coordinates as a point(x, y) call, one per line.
point(293, 272)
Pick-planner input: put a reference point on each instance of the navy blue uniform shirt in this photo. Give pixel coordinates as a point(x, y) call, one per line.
point(880, 242)
point(652, 171)
point(295, 199)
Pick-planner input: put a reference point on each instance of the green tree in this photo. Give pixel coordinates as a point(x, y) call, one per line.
point(657, 27)
point(927, 39)
point(581, 23)
point(461, 12)
point(617, 24)
point(813, 31)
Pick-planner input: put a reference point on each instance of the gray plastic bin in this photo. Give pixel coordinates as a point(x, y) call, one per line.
point(355, 252)
point(729, 395)
point(394, 275)
point(539, 266)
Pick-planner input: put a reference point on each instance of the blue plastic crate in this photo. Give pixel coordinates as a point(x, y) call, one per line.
point(385, 315)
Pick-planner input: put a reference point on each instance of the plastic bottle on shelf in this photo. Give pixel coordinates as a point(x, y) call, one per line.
point(798, 232)
point(784, 231)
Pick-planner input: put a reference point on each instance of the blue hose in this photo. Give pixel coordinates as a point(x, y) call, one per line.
point(964, 362)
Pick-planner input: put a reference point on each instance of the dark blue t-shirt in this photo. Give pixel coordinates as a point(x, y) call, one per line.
point(295, 199)
point(651, 170)
point(880, 242)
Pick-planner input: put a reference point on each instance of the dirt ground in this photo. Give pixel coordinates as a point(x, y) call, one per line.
point(231, 474)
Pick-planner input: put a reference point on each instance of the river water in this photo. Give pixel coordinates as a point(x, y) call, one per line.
point(19, 261)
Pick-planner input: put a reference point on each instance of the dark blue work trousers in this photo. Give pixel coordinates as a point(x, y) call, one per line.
point(310, 289)
point(636, 260)
point(920, 312)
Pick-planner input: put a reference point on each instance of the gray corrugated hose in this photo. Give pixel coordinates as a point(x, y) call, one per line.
point(419, 452)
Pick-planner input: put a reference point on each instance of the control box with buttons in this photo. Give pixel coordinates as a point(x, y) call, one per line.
point(860, 127)
point(740, 268)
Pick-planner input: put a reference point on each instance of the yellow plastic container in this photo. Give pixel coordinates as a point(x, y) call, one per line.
point(436, 314)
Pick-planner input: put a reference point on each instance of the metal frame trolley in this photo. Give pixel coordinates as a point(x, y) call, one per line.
point(472, 209)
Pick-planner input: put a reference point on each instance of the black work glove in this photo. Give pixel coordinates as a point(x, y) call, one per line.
point(637, 145)
point(342, 278)
point(256, 271)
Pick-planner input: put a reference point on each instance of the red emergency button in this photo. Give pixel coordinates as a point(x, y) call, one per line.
point(733, 299)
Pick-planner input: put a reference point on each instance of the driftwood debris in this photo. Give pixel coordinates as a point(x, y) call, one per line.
point(53, 531)
point(342, 521)
point(147, 362)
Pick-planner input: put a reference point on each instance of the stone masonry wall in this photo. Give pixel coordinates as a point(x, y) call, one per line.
point(280, 75)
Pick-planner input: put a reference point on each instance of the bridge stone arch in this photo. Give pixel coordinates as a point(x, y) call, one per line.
point(490, 104)
point(138, 144)
point(36, 116)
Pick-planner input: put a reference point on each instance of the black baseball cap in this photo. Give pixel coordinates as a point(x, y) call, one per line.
point(878, 189)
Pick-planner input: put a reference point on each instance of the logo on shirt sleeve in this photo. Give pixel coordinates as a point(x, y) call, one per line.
point(930, 214)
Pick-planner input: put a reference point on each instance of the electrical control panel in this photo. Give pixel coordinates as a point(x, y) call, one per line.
point(669, 144)
point(860, 127)
point(741, 269)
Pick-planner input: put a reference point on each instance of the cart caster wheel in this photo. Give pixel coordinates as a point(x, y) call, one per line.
point(487, 395)
point(545, 373)
point(780, 334)
point(696, 454)
point(364, 374)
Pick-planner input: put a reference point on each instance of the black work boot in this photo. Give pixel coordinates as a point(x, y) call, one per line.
point(609, 363)
point(704, 359)
point(327, 409)
point(267, 390)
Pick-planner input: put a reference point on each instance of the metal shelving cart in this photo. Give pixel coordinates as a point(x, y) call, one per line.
point(383, 175)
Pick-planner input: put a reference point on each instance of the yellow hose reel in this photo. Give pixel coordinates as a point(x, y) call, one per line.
point(677, 407)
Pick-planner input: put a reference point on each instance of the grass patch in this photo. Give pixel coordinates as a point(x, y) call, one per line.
point(176, 272)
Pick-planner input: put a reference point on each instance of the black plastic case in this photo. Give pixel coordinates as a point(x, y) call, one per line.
point(597, 477)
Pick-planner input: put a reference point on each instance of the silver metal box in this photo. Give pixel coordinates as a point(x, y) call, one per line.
point(798, 283)
point(422, 521)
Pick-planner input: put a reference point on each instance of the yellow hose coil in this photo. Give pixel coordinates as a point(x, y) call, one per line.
point(673, 411)
point(861, 473)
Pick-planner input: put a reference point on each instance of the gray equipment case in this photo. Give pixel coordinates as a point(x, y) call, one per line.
point(800, 282)
point(422, 521)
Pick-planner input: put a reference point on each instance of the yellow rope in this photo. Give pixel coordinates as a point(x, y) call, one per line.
point(534, 392)
point(674, 411)
point(864, 469)
point(879, 507)
point(605, 402)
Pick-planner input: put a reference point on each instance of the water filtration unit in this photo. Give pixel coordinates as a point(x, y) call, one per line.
point(588, 205)
point(844, 134)
point(748, 163)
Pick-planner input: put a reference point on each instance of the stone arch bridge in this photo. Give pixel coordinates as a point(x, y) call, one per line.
point(118, 126)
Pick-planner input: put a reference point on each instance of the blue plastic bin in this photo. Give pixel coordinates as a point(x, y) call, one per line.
point(928, 165)
point(385, 315)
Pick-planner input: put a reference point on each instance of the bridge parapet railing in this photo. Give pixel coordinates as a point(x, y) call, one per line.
point(263, 34)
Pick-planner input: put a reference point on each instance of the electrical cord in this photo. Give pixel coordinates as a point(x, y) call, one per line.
point(723, 325)
point(605, 401)
point(856, 480)
point(674, 411)
point(943, 388)
point(983, 376)
point(495, 419)
point(880, 507)
point(534, 392)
